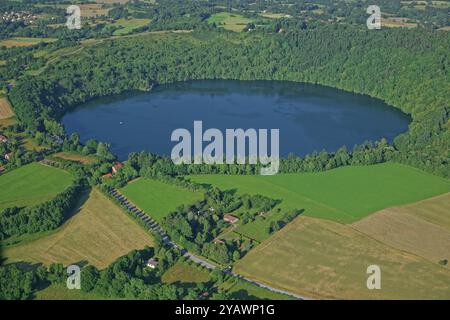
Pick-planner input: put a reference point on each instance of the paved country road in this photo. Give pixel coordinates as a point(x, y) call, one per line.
point(155, 227)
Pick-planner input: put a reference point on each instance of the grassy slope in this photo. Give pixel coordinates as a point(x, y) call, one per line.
point(73, 156)
point(99, 233)
point(31, 184)
point(158, 198)
point(345, 195)
point(324, 259)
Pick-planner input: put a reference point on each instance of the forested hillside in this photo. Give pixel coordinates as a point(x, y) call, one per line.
point(409, 69)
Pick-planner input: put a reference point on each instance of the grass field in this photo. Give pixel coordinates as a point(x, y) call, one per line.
point(345, 194)
point(31, 184)
point(158, 198)
point(324, 259)
point(99, 232)
point(74, 157)
point(127, 26)
point(23, 41)
point(5, 109)
point(183, 272)
point(421, 228)
point(275, 15)
point(248, 291)
point(60, 292)
point(229, 21)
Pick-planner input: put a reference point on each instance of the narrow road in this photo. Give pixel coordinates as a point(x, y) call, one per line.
point(155, 227)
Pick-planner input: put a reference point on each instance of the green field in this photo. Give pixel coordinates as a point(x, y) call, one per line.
point(345, 194)
point(185, 272)
point(60, 292)
point(243, 290)
point(127, 26)
point(31, 184)
point(229, 21)
point(158, 198)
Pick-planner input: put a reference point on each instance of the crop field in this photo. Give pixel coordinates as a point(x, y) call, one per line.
point(31, 184)
point(185, 273)
point(98, 233)
point(23, 41)
point(157, 198)
point(422, 228)
point(127, 26)
point(324, 259)
point(229, 21)
point(344, 195)
point(397, 22)
point(5, 109)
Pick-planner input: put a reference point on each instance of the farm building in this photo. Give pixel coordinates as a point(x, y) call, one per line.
point(218, 241)
point(2, 169)
point(152, 263)
point(107, 175)
point(230, 218)
point(3, 138)
point(9, 156)
point(116, 167)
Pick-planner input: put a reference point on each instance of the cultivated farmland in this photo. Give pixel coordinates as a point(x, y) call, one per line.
point(422, 228)
point(98, 233)
point(324, 259)
point(23, 41)
point(31, 184)
point(344, 195)
point(157, 198)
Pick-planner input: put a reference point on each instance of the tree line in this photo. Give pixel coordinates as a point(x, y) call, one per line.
point(45, 216)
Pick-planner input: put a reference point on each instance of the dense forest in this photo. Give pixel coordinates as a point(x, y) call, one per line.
point(409, 69)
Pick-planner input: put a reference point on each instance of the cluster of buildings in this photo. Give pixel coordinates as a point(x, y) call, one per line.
point(12, 16)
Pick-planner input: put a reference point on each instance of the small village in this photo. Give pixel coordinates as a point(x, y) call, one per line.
point(21, 16)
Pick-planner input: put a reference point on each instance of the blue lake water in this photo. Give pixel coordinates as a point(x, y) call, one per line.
point(310, 117)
